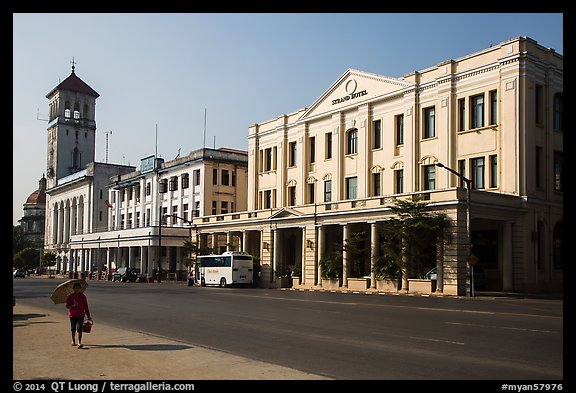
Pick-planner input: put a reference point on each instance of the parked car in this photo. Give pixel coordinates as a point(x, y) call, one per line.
point(125, 274)
point(479, 276)
point(20, 273)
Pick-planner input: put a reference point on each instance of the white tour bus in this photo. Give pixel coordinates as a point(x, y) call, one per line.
point(232, 267)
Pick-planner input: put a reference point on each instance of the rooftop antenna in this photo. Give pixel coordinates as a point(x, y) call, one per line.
point(73, 64)
point(214, 142)
point(204, 145)
point(156, 151)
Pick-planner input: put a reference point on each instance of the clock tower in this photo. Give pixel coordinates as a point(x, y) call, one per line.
point(71, 128)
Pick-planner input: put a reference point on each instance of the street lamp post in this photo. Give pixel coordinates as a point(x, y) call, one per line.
point(469, 271)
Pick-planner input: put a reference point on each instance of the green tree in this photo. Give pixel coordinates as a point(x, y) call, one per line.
point(28, 258)
point(357, 250)
point(19, 241)
point(48, 259)
point(410, 239)
point(331, 265)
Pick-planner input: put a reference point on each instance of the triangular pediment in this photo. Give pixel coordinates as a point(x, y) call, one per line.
point(352, 88)
point(286, 212)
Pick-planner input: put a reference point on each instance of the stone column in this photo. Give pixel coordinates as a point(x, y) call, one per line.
point(108, 262)
point(245, 241)
point(345, 238)
point(507, 258)
point(275, 252)
point(320, 248)
point(142, 265)
point(373, 252)
point(229, 241)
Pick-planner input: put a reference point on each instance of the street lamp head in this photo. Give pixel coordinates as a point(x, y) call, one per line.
point(439, 164)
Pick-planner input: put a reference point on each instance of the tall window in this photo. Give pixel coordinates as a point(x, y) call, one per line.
point(76, 111)
point(267, 199)
point(558, 167)
point(477, 173)
point(557, 248)
point(328, 191)
point(462, 171)
point(429, 123)
point(147, 217)
point(429, 177)
point(539, 103)
point(197, 177)
point(493, 107)
point(312, 149)
point(67, 109)
point(311, 192)
point(214, 176)
point(292, 154)
point(148, 188)
point(399, 120)
point(558, 112)
point(328, 146)
point(461, 114)
point(477, 111)
point(173, 185)
point(234, 178)
point(214, 207)
point(399, 181)
point(225, 177)
point(292, 196)
point(352, 142)
point(163, 186)
point(377, 134)
point(223, 207)
point(376, 183)
point(538, 169)
point(351, 187)
point(268, 159)
point(185, 180)
point(164, 216)
point(493, 171)
point(185, 211)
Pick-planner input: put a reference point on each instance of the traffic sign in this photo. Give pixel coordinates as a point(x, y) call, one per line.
point(472, 259)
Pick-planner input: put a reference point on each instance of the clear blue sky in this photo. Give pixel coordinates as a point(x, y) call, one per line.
point(166, 69)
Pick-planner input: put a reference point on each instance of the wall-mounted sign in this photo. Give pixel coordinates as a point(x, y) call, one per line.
point(147, 164)
point(350, 87)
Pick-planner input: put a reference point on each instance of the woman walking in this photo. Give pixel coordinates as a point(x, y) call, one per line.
point(77, 306)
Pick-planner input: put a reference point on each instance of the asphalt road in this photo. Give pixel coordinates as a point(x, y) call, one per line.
point(341, 336)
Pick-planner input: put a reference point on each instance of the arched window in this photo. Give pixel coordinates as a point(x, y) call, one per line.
point(76, 111)
point(558, 112)
point(558, 235)
point(85, 111)
point(352, 141)
point(67, 109)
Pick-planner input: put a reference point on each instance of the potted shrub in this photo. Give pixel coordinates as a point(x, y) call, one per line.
point(296, 275)
point(387, 271)
point(330, 268)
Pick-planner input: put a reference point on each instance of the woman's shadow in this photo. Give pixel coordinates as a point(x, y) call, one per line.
point(141, 347)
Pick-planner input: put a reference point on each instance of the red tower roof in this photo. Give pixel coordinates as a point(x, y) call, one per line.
point(73, 83)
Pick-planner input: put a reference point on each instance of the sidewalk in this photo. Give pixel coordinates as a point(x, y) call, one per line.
point(42, 350)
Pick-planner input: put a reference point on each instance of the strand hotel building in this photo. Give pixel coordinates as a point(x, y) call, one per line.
point(317, 175)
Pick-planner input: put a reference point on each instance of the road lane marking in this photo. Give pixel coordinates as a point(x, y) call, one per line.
point(436, 340)
point(502, 327)
point(346, 303)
